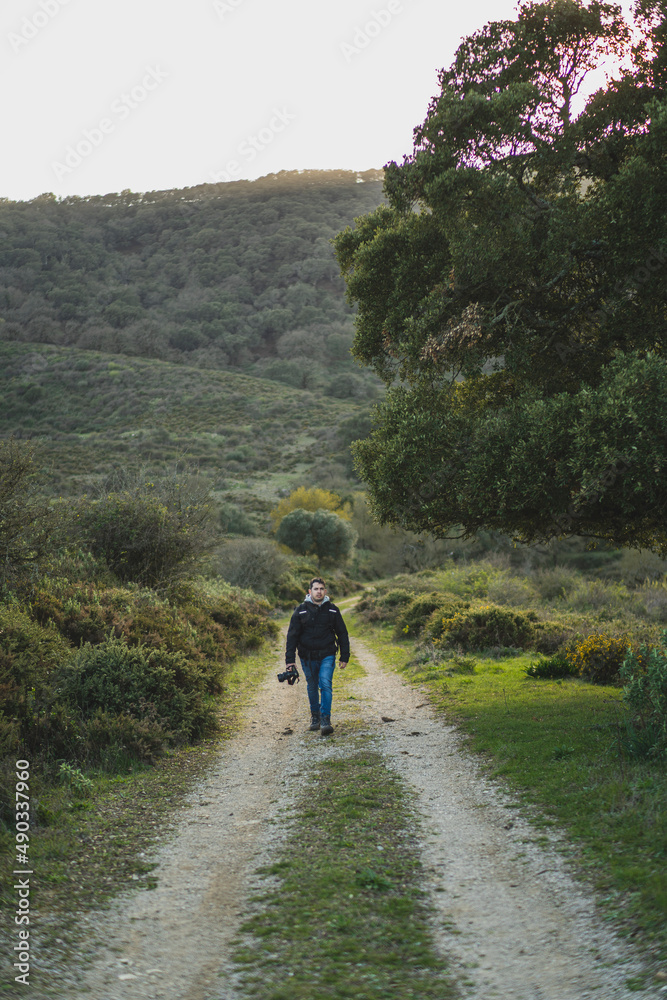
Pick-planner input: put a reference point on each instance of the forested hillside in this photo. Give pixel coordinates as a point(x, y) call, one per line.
point(234, 276)
point(112, 412)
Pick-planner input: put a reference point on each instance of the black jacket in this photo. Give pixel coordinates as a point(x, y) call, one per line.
point(314, 630)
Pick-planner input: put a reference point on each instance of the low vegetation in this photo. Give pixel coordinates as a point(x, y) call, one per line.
point(577, 732)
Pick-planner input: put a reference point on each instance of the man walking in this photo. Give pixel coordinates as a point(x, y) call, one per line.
point(316, 629)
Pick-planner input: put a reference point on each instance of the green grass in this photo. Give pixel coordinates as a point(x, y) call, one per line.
point(554, 744)
point(347, 918)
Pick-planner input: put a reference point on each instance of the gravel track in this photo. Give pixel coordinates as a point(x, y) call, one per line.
point(507, 911)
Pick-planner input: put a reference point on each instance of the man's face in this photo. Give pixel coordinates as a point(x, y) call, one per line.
point(317, 592)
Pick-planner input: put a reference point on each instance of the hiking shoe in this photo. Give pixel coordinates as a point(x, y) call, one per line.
point(314, 723)
point(327, 728)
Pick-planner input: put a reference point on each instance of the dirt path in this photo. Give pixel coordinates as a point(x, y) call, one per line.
point(523, 930)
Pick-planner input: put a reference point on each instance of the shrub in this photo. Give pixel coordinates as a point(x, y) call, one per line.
point(235, 521)
point(653, 595)
point(598, 658)
point(29, 654)
point(113, 741)
point(312, 499)
point(486, 626)
point(320, 533)
point(597, 595)
point(555, 584)
point(510, 589)
point(26, 519)
point(551, 668)
point(644, 674)
point(422, 610)
point(147, 684)
point(254, 563)
point(398, 597)
point(149, 534)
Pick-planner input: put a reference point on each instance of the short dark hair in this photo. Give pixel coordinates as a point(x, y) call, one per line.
point(317, 579)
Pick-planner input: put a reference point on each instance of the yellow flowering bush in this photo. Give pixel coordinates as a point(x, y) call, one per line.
point(598, 658)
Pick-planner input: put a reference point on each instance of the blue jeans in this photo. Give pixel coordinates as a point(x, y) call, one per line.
point(318, 673)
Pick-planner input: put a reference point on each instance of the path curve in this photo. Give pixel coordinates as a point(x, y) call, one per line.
point(524, 929)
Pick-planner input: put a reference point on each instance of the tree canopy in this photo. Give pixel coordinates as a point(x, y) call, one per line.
point(321, 533)
point(512, 292)
point(310, 498)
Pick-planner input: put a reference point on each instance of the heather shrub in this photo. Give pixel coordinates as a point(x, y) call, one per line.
point(254, 563)
point(653, 595)
point(148, 684)
point(396, 598)
point(374, 607)
point(112, 741)
point(549, 636)
point(479, 628)
point(75, 610)
point(606, 598)
point(415, 615)
point(29, 655)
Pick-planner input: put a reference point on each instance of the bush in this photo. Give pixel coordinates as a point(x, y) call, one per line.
point(320, 533)
point(29, 655)
point(383, 608)
point(510, 589)
point(149, 534)
point(606, 598)
point(422, 610)
point(312, 499)
point(482, 627)
point(113, 741)
point(555, 584)
point(644, 674)
point(396, 598)
point(551, 668)
point(653, 595)
point(235, 521)
point(598, 658)
point(252, 563)
point(151, 685)
point(26, 519)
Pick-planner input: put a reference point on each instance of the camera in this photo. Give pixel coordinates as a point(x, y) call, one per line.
point(290, 675)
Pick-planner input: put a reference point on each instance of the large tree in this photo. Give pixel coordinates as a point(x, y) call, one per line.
point(513, 291)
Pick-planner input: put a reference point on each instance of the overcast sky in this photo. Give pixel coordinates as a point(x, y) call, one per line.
point(155, 94)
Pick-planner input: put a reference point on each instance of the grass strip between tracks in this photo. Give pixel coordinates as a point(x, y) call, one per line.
point(344, 914)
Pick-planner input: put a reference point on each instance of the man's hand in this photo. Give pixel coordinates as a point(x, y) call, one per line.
point(342, 665)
